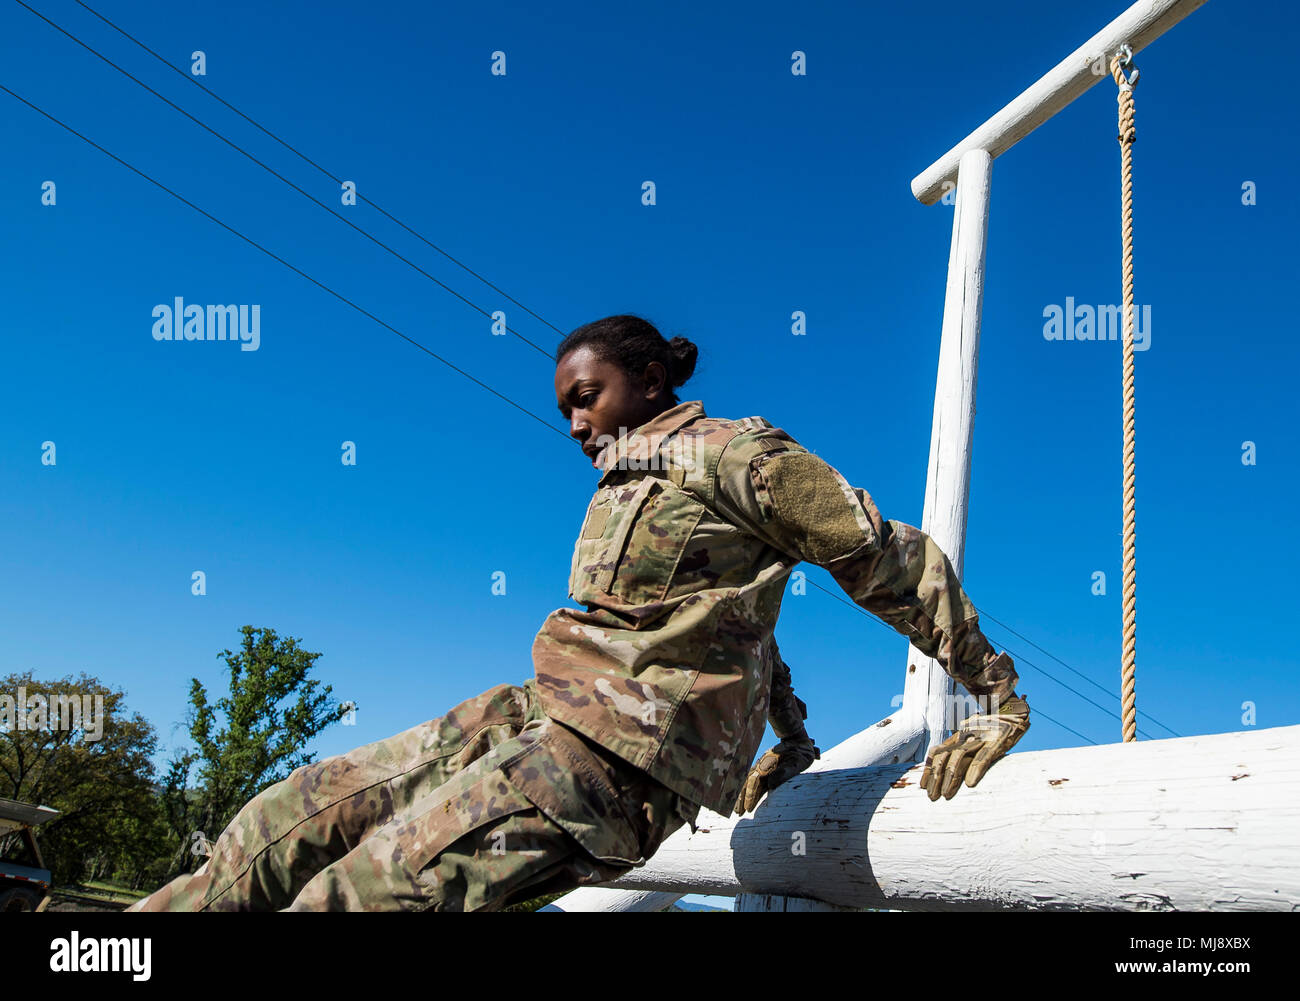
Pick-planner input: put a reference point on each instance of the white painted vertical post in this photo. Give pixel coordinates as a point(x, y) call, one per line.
point(947, 480)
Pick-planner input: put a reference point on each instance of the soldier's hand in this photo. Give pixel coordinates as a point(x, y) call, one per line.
point(782, 763)
point(974, 746)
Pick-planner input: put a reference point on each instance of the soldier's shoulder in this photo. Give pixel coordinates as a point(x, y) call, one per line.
point(724, 430)
point(754, 436)
point(712, 441)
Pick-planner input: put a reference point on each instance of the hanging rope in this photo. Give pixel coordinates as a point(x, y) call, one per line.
point(1127, 136)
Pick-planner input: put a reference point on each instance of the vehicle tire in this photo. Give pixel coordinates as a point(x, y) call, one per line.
point(18, 899)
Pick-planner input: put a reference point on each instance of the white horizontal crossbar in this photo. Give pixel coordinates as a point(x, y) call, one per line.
point(1187, 823)
point(1137, 27)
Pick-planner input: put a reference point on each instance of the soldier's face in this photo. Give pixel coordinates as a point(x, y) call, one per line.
point(600, 401)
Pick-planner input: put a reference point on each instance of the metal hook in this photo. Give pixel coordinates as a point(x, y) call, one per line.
point(1125, 54)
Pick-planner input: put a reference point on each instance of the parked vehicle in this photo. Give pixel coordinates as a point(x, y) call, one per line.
point(24, 880)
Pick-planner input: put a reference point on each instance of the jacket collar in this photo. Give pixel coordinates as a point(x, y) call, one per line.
point(643, 444)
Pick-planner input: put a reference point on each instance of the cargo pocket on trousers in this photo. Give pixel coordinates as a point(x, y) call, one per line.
point(477, 796)
point(558, 774)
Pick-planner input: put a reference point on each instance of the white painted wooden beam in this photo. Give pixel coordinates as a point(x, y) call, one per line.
point(1137, 27)
point(599, 898)
point(1188, 823)
point(894, 739)
point(952, 428)
point(768, 904)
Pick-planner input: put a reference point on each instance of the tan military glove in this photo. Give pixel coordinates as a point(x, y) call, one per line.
point(974, 746)
point(782, 763)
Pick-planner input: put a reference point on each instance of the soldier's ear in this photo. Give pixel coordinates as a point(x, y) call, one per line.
point(655, 380)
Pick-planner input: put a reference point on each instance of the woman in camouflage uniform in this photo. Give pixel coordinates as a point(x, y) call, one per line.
point(647, 703)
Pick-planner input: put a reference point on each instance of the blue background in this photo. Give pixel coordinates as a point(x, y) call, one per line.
point(775, 193)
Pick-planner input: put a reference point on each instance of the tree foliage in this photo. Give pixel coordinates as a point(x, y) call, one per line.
point(249, 739)
point(99, 775)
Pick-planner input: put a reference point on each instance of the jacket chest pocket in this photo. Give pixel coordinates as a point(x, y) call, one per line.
point(631, 543)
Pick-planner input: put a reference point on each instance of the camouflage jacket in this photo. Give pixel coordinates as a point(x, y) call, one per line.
point(681, 565)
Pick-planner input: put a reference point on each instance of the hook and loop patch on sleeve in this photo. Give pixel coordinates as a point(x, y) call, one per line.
point(812, 504)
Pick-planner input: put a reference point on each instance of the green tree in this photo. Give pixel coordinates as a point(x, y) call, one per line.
point(535, 903)
point(94, 767)
point(270, 714)
point(139, 853)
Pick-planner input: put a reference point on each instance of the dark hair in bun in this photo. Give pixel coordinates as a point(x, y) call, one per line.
point(632, 343)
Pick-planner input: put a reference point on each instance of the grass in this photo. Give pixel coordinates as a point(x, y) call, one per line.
point(105, 890)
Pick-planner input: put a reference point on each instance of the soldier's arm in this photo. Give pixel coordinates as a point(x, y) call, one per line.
point(786, 711)
point(798, 503)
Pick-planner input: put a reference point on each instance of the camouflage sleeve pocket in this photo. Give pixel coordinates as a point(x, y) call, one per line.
point(762, 495)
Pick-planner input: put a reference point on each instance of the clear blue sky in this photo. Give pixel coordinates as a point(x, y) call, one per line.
point(775, 193)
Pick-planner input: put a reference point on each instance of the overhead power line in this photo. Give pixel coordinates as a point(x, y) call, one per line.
point(1037, 712)
point(275, 257)
point(306, 159)
point(1095, 684)
point(270, 170)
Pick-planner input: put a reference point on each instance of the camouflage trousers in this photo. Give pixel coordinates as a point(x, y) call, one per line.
point(491, 804)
